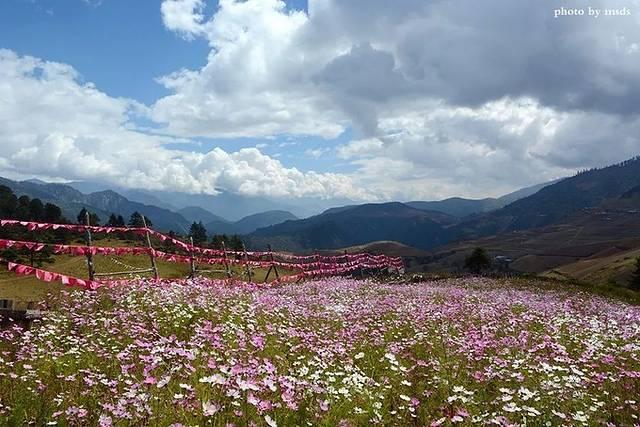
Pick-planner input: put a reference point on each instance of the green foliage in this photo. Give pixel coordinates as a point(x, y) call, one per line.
point(36, 209)
point(136, 220)
point(232, 243)
point(198, 233)
point(217, 240)
point(94, 219)
point(8, 202)
point(478, 260)
point(52, 213)
point(115, 221)
point(23, 212)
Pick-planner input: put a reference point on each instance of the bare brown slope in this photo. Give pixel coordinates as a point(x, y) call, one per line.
point(614, 269)
point(594, 233)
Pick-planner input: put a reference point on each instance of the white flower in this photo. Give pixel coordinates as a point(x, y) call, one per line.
point(213, 379)
point(558, 414)
point(511, 407)
point(405, 397)
point(270, 421)
point(580, 416)
point(209, 409)
point(359, 355)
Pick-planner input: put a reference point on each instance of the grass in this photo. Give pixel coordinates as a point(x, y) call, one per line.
point(27, 290)
point(333, 352)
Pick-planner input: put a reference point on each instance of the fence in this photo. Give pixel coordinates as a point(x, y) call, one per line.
point(308, 266)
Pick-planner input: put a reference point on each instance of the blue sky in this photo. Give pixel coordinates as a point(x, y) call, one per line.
point(122, 46)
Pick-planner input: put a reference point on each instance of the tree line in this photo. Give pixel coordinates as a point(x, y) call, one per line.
point(198, 233)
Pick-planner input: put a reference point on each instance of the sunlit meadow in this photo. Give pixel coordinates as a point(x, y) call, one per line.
point(328, 352)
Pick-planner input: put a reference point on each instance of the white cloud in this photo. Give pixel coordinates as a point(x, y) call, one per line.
point(316, 153)
point(183, 16)
point(444, 98)
point(54, 126)
point(441, 151)
point(255, 81)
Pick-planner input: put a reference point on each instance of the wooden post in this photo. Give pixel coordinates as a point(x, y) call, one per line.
point(246, 261)
point(272, 266)
point(192, 260)
point(90, 266)
point(154, 267)
point(226, 260)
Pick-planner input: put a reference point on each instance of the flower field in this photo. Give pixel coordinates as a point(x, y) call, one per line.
point(329, 352)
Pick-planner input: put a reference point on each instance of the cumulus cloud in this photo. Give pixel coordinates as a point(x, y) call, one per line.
point(254, 83)
point(438, 151)
point(351, 59)
point(55, 126)
point(444, 97)
point(183, 16)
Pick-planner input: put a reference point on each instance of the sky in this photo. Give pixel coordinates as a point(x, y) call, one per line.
point(366, 100)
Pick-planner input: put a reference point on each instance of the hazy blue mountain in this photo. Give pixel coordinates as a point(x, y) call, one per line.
point(250, 223)
point(70, 200)
point(103, 203)
point(460, 207)
point(225, 204)
point(134, 195)
point(355, 225)
point(163, 219)
point(197, 214)
point(557, 201)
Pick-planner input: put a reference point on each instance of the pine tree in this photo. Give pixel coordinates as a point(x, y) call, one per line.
point(113, 221)
point(135, 220)
point(216, 241)
point(36, 210)
point(94, 219)
point(8, 202)
point(477, 261)
point(52, 213)
point(23, 212)
point(198, 233)
point(235, 243)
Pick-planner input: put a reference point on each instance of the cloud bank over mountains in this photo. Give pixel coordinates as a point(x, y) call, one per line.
point(442, 98)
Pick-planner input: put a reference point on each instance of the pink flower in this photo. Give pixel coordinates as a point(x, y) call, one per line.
point(105, 421)
point(258, 341)
point(210, 409)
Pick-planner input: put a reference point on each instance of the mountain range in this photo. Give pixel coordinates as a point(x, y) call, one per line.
point(416, 224)
point(106, 202)
point(421, 224)
point(221, 213)
point(355, 225)
point(574, 221)
point(227, 205)
point(460, 208)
